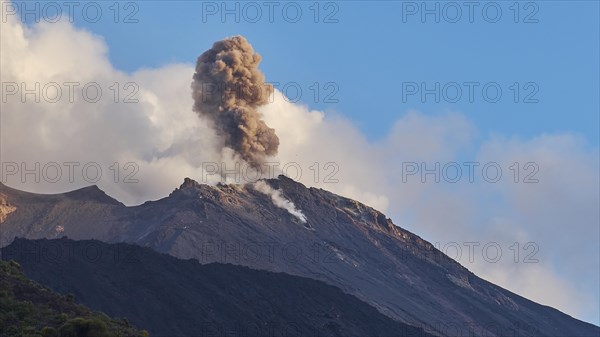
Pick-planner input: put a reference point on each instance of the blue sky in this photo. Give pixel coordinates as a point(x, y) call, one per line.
point(367, 58)
point(370, 52)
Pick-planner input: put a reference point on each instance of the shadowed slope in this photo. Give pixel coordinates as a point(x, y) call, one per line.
point(172, 297)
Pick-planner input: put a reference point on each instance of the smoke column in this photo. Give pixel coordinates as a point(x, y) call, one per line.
point(228, 88)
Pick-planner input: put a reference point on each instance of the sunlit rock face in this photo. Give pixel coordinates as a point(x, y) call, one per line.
point(5, 208)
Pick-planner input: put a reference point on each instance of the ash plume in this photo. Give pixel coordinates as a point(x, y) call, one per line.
point(227, 89)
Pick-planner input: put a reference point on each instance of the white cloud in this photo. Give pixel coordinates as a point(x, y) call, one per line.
point(160, 134)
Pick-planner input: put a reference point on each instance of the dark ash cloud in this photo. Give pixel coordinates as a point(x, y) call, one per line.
point(228, 88)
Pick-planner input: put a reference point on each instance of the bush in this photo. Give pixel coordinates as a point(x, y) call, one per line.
point(14, 264)
point(49, 332)
point(62, 317)
point(70, 297)
point(80, 327)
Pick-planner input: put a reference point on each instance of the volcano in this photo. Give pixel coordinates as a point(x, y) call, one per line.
point(341, 243)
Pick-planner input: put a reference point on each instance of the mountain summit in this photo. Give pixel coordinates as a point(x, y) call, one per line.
point(341, 242)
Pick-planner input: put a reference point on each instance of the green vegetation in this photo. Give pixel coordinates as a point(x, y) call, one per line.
point(29, 309)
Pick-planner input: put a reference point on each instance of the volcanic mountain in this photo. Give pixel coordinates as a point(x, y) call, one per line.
point(342, 243)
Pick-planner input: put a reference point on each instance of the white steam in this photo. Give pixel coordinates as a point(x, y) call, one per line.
point(279, 200)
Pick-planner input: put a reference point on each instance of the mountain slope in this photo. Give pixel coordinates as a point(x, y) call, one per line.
point(343, 243)
point(173, 297)
point(29, 309)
